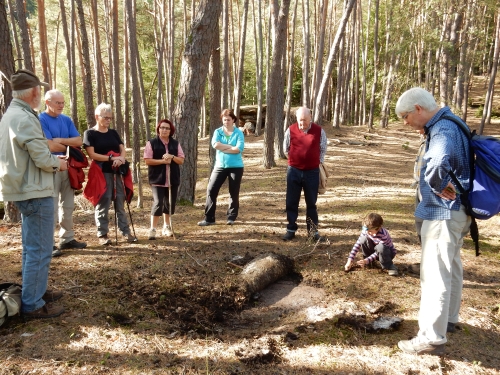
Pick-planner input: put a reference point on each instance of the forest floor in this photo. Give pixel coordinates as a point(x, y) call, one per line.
point(168, 306)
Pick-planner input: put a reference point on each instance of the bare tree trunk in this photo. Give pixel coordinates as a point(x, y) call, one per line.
point(115, 58)
point(22, 19)
point(42, 34)
point(98, 71)
point(214, 85)
point(87, 75)
point(274, 97)
point(307, 55)
point(375, 67)
point(192, 86)
point(290, 70)
point(225, 59)
point(486, 119)
point(126, 83)
point(364, 59)
point(463, 65)
point(7, 67)
point(259, 63)
point(320, 52)
point(321, 97)
point(13, 22)
point(241, 60)
point(445, 61)
point(136, 99)
point(72, 79)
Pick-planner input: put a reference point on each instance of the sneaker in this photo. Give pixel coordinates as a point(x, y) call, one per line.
point(167, 231)
point(152, 234)
point(73, 244)
point(56, 252)
point(415, 346)
point(393, 270)
point(289, 235)
point(52, 295)
point(130, 238)
point(46, 311)
point(230, 222)
point(205, 223)
point(452, 327)
point(104, 240)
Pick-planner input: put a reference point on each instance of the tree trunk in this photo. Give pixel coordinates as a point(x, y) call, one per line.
point(274, 98)
point(136, 99)
point(192, 86)
point(289, 85)
point(7, 67)
point(225, 58)
point(11, 11)
point(42, 34)
point(87, 68)
point(259, 62)
point(491, 87)
point(126, 84)
point(241, 61)
point(320, 52)
point(375, 67)
point(321, 97)
point(307, 54)
point(214, 87)
point(22, 19)
point(115, 58)
point(72, 79)
point(98, 71)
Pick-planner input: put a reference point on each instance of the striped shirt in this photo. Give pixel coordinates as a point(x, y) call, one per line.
point(447, 150)
point(382, 236)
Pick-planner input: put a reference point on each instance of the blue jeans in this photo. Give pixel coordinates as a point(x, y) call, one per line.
point(296, 180)
point(37, 227)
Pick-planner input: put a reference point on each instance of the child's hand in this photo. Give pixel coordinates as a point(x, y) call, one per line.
point(348, 265)
point(363, 262)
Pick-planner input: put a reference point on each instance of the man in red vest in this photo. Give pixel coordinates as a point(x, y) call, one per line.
point(305, 143)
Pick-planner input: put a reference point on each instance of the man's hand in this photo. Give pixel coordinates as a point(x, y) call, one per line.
point(63, 163)
point(448, 192)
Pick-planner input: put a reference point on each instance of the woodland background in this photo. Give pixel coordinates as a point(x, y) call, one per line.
point(186, 60)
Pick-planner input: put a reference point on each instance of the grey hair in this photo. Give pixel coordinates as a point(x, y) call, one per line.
point(302, 109)
point(54, 92)
point(416, 95)
point(103, 107)
point(21, 94)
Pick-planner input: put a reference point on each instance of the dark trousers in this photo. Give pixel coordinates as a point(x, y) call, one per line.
point(384, 252)
point(219, 175)
point(296, 181)
point(161, 200)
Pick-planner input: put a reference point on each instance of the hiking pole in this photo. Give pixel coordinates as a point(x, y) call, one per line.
point(114, 205)
point(170, 203)
point(128, 206)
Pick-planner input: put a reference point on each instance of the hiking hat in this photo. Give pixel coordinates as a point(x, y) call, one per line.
point(24, 79)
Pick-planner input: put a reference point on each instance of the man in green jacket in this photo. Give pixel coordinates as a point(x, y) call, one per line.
point(26, 178)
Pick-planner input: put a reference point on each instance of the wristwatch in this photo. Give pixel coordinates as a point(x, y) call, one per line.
point(110, 156)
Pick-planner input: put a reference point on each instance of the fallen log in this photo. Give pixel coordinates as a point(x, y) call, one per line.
point(263, 271)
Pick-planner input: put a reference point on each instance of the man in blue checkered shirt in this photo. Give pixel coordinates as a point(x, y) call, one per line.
point(445, 222)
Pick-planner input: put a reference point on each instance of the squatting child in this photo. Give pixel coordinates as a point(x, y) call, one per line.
point(375, 243)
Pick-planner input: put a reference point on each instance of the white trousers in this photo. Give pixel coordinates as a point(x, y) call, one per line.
point(441, 275)
point(64, 205)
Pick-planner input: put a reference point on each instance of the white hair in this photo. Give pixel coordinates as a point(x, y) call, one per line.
point(49, 94)
point(103, 108)
point(304, 110)
point(417, 95)
point(21, 94)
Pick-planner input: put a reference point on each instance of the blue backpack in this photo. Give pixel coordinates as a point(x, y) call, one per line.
point(482, 200)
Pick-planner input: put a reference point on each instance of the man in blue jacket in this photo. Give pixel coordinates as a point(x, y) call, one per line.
point(445, 222)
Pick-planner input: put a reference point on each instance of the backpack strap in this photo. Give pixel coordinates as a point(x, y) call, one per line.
point(474, 231)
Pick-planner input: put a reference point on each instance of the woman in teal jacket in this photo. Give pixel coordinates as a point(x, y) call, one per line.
point(229, 143)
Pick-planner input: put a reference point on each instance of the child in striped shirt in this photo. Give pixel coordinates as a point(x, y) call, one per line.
point(376, 244)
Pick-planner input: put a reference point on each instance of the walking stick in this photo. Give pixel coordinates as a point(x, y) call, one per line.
point(170, 203)
point(114, 205)
point(128, 206)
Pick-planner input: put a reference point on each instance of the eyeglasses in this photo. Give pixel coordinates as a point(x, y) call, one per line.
point(164, 128)
point(406, 116)
point(106, 118)
point(59, 103)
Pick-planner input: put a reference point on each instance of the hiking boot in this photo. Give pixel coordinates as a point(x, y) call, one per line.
point(452, 327)
point(56, 252)
point(46, 311)
point(167, 231)
point(73, 244)
point(52, 295)
point(230, 222)
point(104, 240)
point(130, 238)
point(205, 223)
point(317, 238)
point(152, 234)
point(392, 270)
point(289, 235)
point(415, 346)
